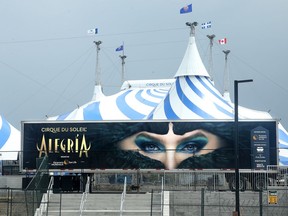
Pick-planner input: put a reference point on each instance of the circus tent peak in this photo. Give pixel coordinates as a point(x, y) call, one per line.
point(192, 64)
point(193, 95)
point(10, 142)
point(98, 93)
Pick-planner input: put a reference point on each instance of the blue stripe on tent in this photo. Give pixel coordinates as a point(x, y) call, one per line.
point(282, 146)
point(283, 136)
point(5, 132)
point(194, 108)
point(149, 92)
point(170, 114)
point(193, 87)
point(126, 109)
point(62, 117)
point(209, 80)
point(212, 91)
point(200, 94)
point(92, 112)
point(161, 91)
point(226, 112)
point(150, 116)
point(143, 100)
point(283, 160)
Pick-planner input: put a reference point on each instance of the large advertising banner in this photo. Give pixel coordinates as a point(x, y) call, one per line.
point(149, 144)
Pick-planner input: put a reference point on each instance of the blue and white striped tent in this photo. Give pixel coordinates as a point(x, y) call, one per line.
point(192, 95)
point(10, 142)
point(125, 105)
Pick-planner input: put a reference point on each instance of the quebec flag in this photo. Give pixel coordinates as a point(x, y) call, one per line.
point(206, 25)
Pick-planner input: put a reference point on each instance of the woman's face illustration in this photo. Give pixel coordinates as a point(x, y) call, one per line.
point(171, 149)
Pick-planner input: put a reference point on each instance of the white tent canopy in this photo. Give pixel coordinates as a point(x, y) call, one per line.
point(10, 142)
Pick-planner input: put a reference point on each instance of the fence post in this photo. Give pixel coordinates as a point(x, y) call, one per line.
point(261, 202)
point(8, 200)
point(151, 208)
point(162, 195)
point(33, 199)
point(202, 202)
point(60, 202)
point(11, 202)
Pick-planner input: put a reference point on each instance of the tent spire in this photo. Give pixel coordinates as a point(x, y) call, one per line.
point(210, 69)
point(97, 77)
point(191, 64)
point(226, 77)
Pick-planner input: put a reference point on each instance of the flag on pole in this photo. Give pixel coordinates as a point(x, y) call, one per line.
point(206, 25)
point(120, 48)
point(222, 41)
point(186, 9)
point(92, 31)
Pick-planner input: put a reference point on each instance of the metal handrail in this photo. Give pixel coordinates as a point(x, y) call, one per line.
point(84, 196)
point(45, 199)
point(123, 195)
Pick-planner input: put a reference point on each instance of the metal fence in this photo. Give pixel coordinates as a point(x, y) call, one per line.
point(181, 192)
point(18, 201)
point(220, 180)
point(211, 193)
point(206, 192)
point(222, 203)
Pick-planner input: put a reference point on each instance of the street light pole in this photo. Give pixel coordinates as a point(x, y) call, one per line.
point(236, 147)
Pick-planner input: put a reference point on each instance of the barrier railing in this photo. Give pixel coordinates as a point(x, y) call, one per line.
point(123, 197)
point(43, 208)
point(84, 196)
point(270, 185)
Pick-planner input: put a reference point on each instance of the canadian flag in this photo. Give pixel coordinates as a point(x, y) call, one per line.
point(222, 41)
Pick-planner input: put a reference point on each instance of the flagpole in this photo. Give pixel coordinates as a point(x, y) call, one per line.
point(123, 48)
point(123, 63)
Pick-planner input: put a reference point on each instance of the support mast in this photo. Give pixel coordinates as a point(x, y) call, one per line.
point(123, 57)
point(210, 69)
point(226, 73)
point(97, 88)
point(226, 93)
point(97, 71)
point(192, 27)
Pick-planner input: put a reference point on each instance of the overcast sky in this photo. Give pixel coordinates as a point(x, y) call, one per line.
point(47, 60)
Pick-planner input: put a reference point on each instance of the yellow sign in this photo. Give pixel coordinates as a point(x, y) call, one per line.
point(272, 197)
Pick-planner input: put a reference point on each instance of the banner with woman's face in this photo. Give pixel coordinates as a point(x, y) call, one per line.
point(149, 144)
